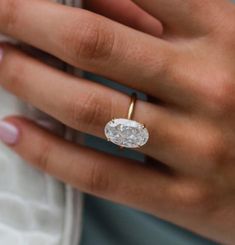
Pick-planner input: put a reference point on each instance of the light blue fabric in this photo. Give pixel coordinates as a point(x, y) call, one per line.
point(106, 223)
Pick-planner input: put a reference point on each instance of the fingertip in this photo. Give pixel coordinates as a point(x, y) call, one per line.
point(12, 128)
point(9, 132)
point(152, 26)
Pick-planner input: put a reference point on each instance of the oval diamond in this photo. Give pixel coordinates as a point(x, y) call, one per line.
point(126, 133)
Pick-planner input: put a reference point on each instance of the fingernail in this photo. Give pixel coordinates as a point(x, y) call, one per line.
point(9, 133)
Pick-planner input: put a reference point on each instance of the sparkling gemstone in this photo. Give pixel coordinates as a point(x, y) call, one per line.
point(126, 133)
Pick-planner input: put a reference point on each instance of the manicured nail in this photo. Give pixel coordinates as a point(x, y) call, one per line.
point(9, 133)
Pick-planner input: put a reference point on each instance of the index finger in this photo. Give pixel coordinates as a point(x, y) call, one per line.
point(87, 40)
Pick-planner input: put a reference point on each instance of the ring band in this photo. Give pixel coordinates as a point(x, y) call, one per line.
point(132, 106)
point(127, 133)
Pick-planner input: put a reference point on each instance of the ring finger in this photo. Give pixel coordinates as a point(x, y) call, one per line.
point(79, 103)
point(87, 107)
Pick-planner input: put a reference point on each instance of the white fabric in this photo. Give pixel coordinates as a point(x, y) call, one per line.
point(35, 209)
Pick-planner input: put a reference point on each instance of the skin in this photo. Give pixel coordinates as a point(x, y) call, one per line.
point(187, 66)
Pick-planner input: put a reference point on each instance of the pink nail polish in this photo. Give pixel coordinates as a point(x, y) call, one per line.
point(9, 134)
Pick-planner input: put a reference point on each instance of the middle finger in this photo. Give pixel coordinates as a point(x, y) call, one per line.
point(92, 42)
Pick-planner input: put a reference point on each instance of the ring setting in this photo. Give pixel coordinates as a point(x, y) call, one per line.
point(127, 133)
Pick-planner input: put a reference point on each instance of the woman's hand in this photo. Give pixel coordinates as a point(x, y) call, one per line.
point(192, 132)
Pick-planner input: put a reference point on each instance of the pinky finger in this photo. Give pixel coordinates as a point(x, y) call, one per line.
point(110, 177)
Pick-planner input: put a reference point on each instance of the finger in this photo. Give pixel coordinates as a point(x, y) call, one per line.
point(186, 17)
point(97, 173)
point(90, 42)
point(88, 106)
point(78, 103)
point(126, 12)
point(116, 179)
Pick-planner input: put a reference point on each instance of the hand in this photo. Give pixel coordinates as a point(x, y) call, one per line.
point(192, 132)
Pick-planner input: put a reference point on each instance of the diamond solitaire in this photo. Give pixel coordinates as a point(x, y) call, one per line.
point(126, 132)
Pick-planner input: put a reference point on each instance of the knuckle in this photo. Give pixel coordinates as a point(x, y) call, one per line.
point(90, 112)
point(219, 96)
point(97, 180)
point(94, 41)
point(8, 13)
point(190, 197)
point(169, 65)
point(13, 72)
point(213, 150)
point(161, 64)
